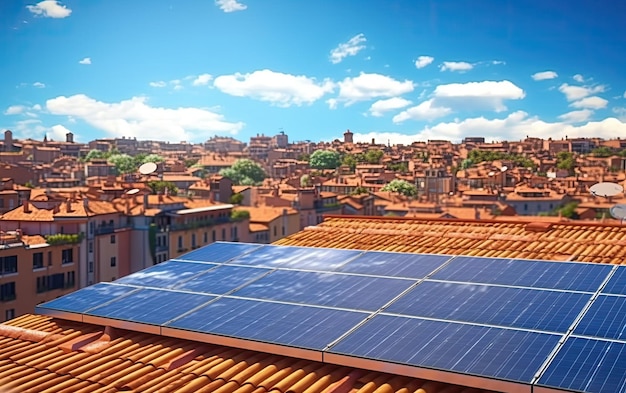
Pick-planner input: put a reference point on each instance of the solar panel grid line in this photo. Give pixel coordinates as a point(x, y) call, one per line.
point(607, 339)
point(510, 286)
point(573, 326)
point(331, 344)
point(114, 299)
point(245, 248)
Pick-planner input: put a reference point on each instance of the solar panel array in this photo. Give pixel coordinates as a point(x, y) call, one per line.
point(487, 322)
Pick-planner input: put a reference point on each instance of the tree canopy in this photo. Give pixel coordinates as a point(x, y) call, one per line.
point(477, 156)
point(159, 186)
point(123, 163)
point(244, 172)
point(324, 159)
point(565, 160)
point(401, 187)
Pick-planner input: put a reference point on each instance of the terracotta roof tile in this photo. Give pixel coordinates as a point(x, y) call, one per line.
point(45, 355)
point(559, 241)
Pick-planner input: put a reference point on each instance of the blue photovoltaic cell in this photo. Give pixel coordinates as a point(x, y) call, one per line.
point(605, 318)
point(87, 298)
point(395, 264)
point(306, 258)
point(166, 274)
point(218, 252)
point(585, 365)
point(469, 349)
point(326, 289)
point(617, 282)
point(573, 276)
point(553, 311)
point(292, 325)
point(151, 306)
point(222, 280)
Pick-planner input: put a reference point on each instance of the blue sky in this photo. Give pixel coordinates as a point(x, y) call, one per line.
point(393, 70)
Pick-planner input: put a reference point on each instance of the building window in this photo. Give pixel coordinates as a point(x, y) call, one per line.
point(193, 240)
point(112, 239)
point(214, 236)
point(224, 234)
point(8, 264)
point(55, 281)
point(71, 279)
point(206, 237)
point(90, 246)
point(38, 260)
point(113, 261)
point(7, 292)
point(90, 267)
point(9, 314)
point(275, 231)
point(41, 284)
point(67, 256)
point(180, 242)
point(283, 230)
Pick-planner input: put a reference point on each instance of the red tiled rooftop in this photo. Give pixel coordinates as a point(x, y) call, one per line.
point(586, 242)
point(42, 354)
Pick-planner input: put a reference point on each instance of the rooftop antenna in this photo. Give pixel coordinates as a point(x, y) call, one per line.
point(619, 212)
point(148, 168)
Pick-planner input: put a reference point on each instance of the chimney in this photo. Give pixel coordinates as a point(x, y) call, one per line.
point(68, 205)
point(160, 197)
point(26, 205)
point(86, 203)
point(145, 201)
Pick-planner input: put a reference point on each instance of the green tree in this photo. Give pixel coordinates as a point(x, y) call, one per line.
point(150, 158)
point(324, 159)
point(399, 167)
point(159, 186)
point(305, 181)
point(123, 163)
point(304, 157)
point(359, 190)
point(602, 152)
point(401, 187)
point(467, 163)
point(236, 198)
point(95, 155)
point(350, 161)
point(565, 160)
point(569, 210)
point(374, 156)
point(189, 162)
point(239, 215)
point(245, 172)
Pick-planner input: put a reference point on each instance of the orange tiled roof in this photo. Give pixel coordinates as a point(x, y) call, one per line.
point(586, 242)
point(42, 354)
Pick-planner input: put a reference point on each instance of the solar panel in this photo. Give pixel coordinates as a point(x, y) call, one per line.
point(617, 283)
point(395, 264)
point(279, 323)
point(151, 306)
point(572, 276)
point(553, 311)
point(455, 347)
point(219, 252)
point(88, 298)
point(166, 274)
point(305, 258)
point(222, 280)
point(587, 365)
point(605, 318)
point(326, 289)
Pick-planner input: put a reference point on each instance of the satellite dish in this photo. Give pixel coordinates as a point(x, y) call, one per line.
point(491, 173)
point(147, 168)
point(504, 168)
point(132, 192)
point(618, 211)
point(606, 189)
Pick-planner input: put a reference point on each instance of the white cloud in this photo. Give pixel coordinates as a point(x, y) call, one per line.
point(86, 60)
point(515, 126)
point(230, 5)
point(593, 102)
point(477, 95)
point(380, 107)
point(624, 94)
point(202, 80)
point(543, 75)
point(15, 110)
point(39, 85)
point(498, 62)
point(460, 66)
point(136, 118)
point(158, 84)
point(576, 116)
point(50, 9)
point(368, 86)
point(579, 78)
point(350, 48)
point(58, 132)
point(573, 93)
point(29, 128)
point(423, 61)
point(424, 111)
point(277, 88)
point(36, 107)
point(621, 113)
